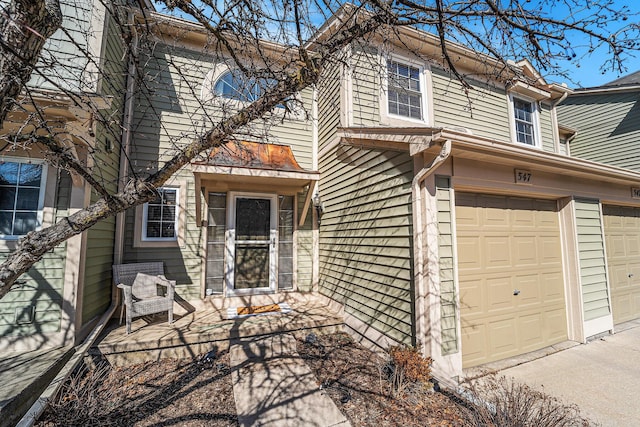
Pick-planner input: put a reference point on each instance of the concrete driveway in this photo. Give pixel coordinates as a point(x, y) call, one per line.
point(601, 377)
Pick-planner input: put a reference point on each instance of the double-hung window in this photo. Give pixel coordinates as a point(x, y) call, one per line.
point(525, 121)
point(160, 216)
point(405, 90)
point(21, 197)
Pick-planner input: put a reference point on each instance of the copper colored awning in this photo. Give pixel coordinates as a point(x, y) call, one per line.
point(253, 155)
point(254, 163)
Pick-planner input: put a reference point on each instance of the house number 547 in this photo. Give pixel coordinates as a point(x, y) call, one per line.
point(635, 192)
point(523, 176)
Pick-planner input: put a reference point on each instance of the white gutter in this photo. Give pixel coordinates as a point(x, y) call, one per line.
point(418, 233)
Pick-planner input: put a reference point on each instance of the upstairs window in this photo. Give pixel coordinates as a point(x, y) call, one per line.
point(21, 197)
point(233, 84)
point(404, 90)
point(525, 121)
point(160, 216)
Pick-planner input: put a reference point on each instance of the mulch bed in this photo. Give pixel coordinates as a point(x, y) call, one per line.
point(357, 381)
point(165, 393)
point(199, 392)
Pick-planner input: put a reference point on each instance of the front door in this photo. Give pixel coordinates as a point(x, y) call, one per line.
point(251, 244)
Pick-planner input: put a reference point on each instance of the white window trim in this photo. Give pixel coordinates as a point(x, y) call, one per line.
point(41, 195)
point(207, 95)
point(176, 216)
point(536, 120)
point(140, 224)
point(230, 242)
point(425, 82)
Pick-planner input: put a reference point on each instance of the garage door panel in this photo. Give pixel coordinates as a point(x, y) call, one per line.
point(555, 324)
point(525, 251)
point(471, 297)
point(530, 293)
point(622, 235)
point(502, 338)
point(469, 253)
point(496, 250)
point(520, 249)
point(531, 331)
point(550, 252)
point(499, 294)
point(633, 246)
point(473, 341)
point(552, 293)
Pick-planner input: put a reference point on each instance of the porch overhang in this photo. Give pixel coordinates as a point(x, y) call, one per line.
point(428, 140)
point(253, 164)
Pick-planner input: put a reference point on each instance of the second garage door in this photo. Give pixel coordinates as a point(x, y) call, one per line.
point(510, 276)
point(622, 234)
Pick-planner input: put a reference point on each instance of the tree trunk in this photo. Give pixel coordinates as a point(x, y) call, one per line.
point(25, 26)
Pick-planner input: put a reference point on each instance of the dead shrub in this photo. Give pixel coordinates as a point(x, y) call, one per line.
point(499, 401)
point(84, 399)
point(408, 368)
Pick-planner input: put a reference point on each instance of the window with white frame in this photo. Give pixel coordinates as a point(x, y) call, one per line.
point(405, 90)
point(22, 185)
point(160, 216)
point(232, 84)
point(525, 121)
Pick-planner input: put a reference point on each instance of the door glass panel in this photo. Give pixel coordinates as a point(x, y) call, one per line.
point(251, 266)
point(285, 243)
point(253, 219)
point(215, 242)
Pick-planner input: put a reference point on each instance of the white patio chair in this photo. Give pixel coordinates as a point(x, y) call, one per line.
point(139, 283)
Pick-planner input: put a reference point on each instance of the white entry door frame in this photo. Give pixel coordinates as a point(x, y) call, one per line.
point(251, 265)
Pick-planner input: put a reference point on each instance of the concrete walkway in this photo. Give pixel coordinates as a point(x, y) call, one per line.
point(601, 377)
point(274, 387)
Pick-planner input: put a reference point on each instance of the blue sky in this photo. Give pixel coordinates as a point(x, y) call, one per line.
point(588, 73)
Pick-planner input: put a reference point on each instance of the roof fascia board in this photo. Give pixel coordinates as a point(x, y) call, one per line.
point(473, 146)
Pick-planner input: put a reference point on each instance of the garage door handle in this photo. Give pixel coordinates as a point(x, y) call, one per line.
point(516, 291)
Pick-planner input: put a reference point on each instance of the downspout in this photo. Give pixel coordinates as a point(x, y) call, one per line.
point(125, 144)
point(418, 233)
point(556, 135)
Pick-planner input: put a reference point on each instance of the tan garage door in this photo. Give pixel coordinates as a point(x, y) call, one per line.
point(510, 276)
point(622, 234)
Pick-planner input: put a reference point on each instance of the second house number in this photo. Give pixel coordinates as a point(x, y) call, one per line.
point(523, 176)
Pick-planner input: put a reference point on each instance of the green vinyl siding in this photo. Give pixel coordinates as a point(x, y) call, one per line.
point(169, 114)
point(366, 237)
point(304, 247)
point(365, 89)
point(100, 238)
point(546, 128)
point(446, 262)
point(182, 264)
point(329, 104)
point(593, 274)
point(608, 127)
point(41, 287)
point(483, 110)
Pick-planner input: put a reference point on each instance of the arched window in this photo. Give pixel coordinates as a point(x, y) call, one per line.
point(233, 84)
point(226, 83)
